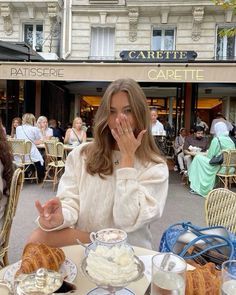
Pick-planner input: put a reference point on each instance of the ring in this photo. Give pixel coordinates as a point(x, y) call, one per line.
point(121, 133)
point(130, 130)
point(126, 130)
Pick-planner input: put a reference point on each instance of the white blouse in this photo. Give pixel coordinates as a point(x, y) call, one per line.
point(32, 134)
point(130, 199)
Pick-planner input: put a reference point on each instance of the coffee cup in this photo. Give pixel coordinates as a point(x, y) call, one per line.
point(109, 237)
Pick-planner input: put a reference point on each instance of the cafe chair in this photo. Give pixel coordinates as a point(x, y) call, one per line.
point(227, 171)
point(21, 151)
point(220, 209)
point(15, 189)
point(55, 162)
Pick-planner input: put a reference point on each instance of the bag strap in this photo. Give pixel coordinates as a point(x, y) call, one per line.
point(27, 136)
point(219, 143)
point(226, 242)
point(76, 135)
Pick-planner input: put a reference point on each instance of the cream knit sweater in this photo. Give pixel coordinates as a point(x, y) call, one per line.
point(129, 199)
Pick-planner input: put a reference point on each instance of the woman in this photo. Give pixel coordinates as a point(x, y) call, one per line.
point(6, 172)
point(233, 135)
point(15, 123)
point(75, 135)
point(118, 180)
point(29, 132)
point(45, 132)
point(202, 175)
point(178, 147)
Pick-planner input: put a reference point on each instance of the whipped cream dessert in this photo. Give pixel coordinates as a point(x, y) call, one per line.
point(112, 266)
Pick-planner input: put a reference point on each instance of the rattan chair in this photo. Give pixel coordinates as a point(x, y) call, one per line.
point(227, 172)
point(220, 209)
point(21, 150)
point(15, 188)
point(55, 162)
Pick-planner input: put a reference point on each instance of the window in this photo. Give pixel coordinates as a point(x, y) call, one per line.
point(33, 36)
point(163, 39)
point(102, 43)
point(226, 48)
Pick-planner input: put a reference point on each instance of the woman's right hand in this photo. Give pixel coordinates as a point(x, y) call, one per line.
point(50, 214)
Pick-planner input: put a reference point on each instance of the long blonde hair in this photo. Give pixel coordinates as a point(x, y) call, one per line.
point(99, 153)
point(28, 118)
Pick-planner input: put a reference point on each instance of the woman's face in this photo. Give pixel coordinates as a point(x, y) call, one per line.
point(120, 105)
point(43, 124)
point(78, 124)
point(16, 123)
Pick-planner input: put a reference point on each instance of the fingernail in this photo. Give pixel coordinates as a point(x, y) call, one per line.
point(46, 215)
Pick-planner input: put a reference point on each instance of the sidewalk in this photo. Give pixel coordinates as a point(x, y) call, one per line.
point(180, 206)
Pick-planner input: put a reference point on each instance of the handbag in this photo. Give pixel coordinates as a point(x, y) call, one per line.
point(217, 160)
point(207, 244)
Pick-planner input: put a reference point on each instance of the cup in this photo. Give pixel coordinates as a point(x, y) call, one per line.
point(168, 274)
point(228, 277)
point(109, 237)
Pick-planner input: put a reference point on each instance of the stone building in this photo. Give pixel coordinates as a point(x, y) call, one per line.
point(88, 43)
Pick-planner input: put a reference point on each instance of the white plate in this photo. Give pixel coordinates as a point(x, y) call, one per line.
point(68, 269)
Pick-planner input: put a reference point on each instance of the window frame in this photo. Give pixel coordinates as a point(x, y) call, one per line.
point(102, 57)
point(34, 24)
point(224, 50)
point(164, 28)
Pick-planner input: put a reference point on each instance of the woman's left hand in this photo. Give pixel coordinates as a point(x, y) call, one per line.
point(126, 141)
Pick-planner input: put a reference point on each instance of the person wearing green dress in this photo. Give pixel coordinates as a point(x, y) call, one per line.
point(202, 175)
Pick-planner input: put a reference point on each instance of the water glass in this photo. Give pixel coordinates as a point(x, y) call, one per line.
point(168, 274)
point(228, 277)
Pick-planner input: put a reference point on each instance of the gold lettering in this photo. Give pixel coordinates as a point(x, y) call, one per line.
point(182, 54)
point(161, 74)
point(130, 54)
point(168, 54)
point(170, 74)
point(151, 54)
point(152, 74)
point(142, 55)
point(199, 77)
point(176, 74)
point(160, 55)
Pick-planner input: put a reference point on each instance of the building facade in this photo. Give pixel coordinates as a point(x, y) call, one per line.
point(83, 41)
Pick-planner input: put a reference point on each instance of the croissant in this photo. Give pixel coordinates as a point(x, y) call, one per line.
point(36, 256)
point(203, 280)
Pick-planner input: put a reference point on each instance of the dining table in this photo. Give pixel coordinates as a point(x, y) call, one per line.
point(75, 254)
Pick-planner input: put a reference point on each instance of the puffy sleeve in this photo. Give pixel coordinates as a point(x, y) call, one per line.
point(140, 197)
point(68, 190)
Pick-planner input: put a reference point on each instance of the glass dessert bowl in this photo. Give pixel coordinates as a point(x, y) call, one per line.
point(112, 269)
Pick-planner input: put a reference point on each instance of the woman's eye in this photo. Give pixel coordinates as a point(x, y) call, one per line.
point(128, 111)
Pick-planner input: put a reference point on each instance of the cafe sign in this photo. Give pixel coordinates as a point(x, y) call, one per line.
point(158, 55)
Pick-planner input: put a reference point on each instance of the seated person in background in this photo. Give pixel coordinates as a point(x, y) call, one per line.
point(1, 125)
point(29, 132)
point(76, 135)
point(15, 123)
point(220, 118)
point(118, 180)
point(193, 144)
point(233, 135)
point(202, 124)
point(178, 148)
point(6, 172)
point(56, 130)
point(202, 175)
point(45, 132)
point(157, 126)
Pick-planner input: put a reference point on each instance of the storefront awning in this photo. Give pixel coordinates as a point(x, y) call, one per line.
point(18, 51)
point(144, 72)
